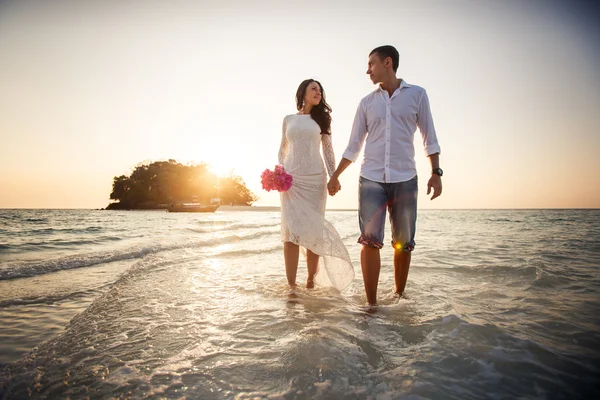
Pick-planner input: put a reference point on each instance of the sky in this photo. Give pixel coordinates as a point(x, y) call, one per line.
point(90, 89)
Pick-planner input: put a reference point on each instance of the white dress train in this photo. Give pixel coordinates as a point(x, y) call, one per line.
point(303, 206)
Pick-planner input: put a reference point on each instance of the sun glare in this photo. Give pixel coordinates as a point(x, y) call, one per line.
point(219, 163)
point(221, 166)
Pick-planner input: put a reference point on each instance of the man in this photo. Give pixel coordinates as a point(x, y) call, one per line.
point(387, 120)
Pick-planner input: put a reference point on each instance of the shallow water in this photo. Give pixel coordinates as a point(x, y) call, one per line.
point(502, 304)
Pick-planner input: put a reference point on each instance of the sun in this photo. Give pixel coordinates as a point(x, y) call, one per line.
point(221, 167)
point(219, 162)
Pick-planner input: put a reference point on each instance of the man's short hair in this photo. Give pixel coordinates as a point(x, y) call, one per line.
point(387, 51)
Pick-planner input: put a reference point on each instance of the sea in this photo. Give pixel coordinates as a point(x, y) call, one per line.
point(501, 304)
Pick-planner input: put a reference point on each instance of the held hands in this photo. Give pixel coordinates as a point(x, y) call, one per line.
point(435, 183)
point(333, 186)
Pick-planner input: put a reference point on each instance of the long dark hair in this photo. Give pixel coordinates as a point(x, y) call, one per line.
point(321, 113)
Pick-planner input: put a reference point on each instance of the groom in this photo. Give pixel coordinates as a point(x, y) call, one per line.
point(386, 121)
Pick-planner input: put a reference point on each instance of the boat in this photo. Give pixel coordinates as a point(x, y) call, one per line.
point(193, 207)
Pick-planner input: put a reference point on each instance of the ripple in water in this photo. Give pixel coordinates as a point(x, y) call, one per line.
point(217, 321)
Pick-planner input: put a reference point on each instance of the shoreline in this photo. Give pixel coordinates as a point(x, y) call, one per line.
point(248, 208)
point(269, 208)
point(277, 208)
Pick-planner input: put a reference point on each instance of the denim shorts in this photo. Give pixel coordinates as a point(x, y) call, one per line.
point(400, 199)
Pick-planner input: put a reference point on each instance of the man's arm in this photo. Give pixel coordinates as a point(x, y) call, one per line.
point(426, 127)
point(435, 182)
point(355, 143)
point(334, 186)
point(430, 144)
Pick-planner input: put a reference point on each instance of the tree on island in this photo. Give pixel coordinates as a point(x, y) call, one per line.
point(162, 183)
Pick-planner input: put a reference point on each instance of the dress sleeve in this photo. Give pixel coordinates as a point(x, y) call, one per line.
point(284, 147)
point(328, 154)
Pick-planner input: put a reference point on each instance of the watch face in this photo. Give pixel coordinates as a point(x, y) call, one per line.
point(438, 171)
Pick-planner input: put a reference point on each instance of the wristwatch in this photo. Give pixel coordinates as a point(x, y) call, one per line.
point(437, 171)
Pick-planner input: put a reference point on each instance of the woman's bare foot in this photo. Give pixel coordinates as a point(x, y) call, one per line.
point(310, 284)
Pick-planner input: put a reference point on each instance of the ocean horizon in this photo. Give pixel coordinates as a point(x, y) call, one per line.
point(223, 208)
point(502, 303)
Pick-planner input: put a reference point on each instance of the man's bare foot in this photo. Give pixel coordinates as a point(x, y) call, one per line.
point(310, 284)
point(401, 296)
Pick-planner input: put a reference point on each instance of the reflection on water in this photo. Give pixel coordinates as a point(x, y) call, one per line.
point(196, 321)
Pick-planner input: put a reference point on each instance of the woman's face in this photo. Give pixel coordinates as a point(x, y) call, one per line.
point(313, 94)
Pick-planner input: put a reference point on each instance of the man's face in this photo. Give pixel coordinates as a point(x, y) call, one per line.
point(376, 68)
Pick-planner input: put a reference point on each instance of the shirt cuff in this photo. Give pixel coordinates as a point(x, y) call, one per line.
point(349, 155)
point(432, 149)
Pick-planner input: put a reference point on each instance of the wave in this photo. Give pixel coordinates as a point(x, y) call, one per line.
point(253, 226)
point(56, 244)
point(215, 223)
point(45, 299)
point(524, 271)
point(246, 252)
point(548, 279)
point(65, 242)
point(352, 235)
point(49, 231)
point(232, 227)
point(504, 219)
point(35, 219)
point(24, 269)
point(239, 238)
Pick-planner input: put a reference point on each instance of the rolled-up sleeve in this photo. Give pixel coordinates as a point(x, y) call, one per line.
point(358, 134)
point(425, 124)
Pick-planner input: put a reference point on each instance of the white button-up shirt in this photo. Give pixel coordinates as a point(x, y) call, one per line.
point(391, 124)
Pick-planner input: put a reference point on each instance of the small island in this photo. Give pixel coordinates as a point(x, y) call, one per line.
point(168, 184)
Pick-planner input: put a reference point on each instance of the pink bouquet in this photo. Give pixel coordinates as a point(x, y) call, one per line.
point(277, 179)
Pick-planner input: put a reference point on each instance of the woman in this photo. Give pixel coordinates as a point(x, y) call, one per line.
point(303, 223)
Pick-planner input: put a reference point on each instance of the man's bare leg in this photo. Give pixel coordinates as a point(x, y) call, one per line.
point(401, 266)
point(290, 254)
point(370, 263)
point(312, 263)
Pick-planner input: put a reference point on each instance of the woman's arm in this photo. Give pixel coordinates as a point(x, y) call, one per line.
point(328, 154)
point(284, 147)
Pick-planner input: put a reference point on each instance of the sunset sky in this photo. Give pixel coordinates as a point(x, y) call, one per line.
point(90, 89)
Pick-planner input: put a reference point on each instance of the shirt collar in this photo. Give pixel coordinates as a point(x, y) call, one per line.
point(403, 84)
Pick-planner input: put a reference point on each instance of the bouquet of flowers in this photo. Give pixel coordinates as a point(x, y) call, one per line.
point(277, 179)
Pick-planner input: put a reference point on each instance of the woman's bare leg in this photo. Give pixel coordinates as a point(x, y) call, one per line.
point(312, 263)
point(290, 254)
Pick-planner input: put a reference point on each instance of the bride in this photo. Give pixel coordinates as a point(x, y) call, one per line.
point(303, 223)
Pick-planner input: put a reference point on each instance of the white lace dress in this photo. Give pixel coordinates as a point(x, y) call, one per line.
point(303, 206)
